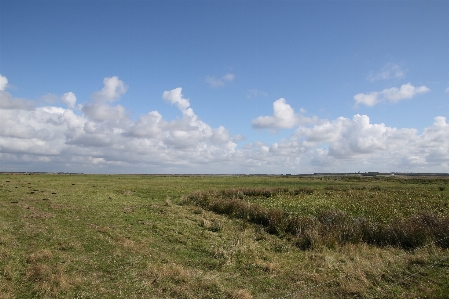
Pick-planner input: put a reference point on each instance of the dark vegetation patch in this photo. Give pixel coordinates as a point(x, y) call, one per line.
point(328, 227)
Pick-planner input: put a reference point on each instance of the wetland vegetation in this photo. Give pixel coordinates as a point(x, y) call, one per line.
point(142, 236)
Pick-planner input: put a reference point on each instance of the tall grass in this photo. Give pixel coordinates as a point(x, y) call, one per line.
point(328, 227)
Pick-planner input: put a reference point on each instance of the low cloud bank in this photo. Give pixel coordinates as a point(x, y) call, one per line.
point(99, 136)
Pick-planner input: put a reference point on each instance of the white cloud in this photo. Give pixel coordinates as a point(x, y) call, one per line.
point(284, 116)
point(436, 135)
point(213, 82)
point(358, 142)
point(69, 98)
point(394, 94)
point(325, 132)
point(103, 138)
point(360, 137)
point(103, 111)
point(174, 96)
point(8, 102)
point(148, 125)
point(347, 138)
point(389, 71)
point(447, 90)
point(407, 91)
point(190, 130)
point(3, 82)
point(105, 135)
point(112, 90)
point(369, 99)
point(99, 109)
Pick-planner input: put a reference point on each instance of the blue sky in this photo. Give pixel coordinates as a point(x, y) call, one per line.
point(224, 86)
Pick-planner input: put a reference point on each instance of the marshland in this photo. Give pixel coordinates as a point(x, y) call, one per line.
point(148, 236)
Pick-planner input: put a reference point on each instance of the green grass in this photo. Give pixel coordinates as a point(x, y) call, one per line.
point(100, 236)
point(335, 216)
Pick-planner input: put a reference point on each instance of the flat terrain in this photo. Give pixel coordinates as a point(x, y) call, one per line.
point(131, 236)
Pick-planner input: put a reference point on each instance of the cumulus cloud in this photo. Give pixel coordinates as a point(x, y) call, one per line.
point(8, 102)
point(369, 99)
point(3, 82)
point(148, 125)
point(213, 82)
point(284, 117)
point(191, 130)
point(389, 71)
point(407, 91)
point(437, 134)
point(103, 111)
point(174, 96)
point(358, 136)
point(112, 90)
point(357, 141)
point(394, 94)
point(102, 137)
point(99, 108)
point(435, 142)
point(69, 99)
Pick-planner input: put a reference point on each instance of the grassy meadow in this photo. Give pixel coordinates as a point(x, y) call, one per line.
point(137, 236)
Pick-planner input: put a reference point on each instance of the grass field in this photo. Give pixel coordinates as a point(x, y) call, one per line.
point(130, 236)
